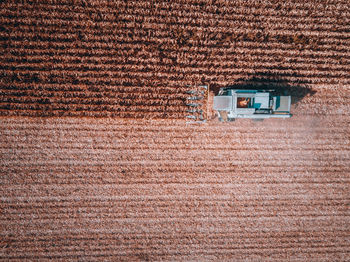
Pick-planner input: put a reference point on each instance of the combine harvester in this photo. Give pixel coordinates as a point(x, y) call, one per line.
point(257, 105)
point(231, 104)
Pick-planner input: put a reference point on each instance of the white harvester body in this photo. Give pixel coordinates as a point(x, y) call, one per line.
point(235, 103)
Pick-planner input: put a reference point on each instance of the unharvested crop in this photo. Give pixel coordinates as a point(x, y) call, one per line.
point(102, 58)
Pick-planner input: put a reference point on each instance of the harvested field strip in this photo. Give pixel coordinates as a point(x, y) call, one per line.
point(182, 241)
point(164, 240)
point(103, 185)
point(285, 236)
point(91, 208)
point(291, 128)
point(106, 246)
point(185, 155)
point(336, 221)
point(73, 148)
point(172, 177)
point(341, 162)
point(104, 253)
point(153, 199)
point(119, 133)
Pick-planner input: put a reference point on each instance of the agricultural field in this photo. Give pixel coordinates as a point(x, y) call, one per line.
point(135, 59)
point(82, 188)
point(97, 161)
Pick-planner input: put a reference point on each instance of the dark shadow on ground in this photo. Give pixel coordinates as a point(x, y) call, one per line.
point(266, 81)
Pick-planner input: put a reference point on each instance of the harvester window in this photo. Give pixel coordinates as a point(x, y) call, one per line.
point(243, 102)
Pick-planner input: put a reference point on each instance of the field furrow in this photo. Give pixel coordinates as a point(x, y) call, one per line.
point(97, 161)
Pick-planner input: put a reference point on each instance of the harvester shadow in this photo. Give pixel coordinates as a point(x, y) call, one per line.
point(264, 81)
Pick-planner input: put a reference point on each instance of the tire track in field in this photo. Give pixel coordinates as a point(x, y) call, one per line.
point(116, 195)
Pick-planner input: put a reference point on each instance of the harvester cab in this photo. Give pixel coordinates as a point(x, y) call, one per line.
point(257, 105)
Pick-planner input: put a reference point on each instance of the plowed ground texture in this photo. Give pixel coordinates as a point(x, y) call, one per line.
point(98, 163)
point(163, 190)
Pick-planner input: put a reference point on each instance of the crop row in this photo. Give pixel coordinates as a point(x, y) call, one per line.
point(197, 74)
point(89, 89)
point(155, 52)
point(222, 65)
point(143, 58)
point(220, 58)
point(207, 11)
point(80, 111)
point(111, 96)
point(129, 47)
point(130, 100)
point(182, 60)
point(139, 56)
point(145, 18)
point(156, 30)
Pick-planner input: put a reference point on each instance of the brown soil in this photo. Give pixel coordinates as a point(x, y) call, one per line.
point(163, 190)
point(86, 173)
